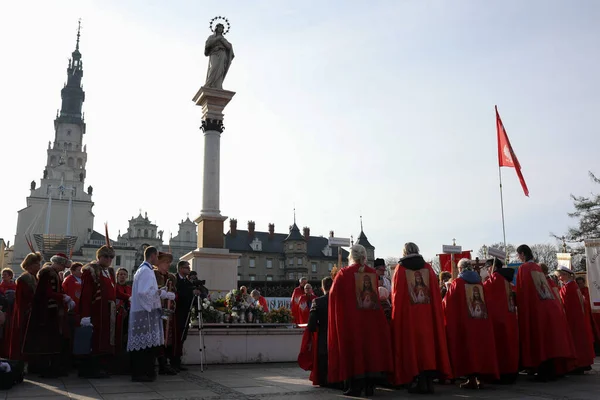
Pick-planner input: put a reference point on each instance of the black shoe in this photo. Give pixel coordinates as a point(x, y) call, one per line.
point(167, 370)
point(142, 378)
point(352, 392)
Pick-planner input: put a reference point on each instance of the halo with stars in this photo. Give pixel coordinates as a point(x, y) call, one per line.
point(216, 20)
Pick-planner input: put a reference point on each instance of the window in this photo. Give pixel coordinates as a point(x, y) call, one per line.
point(239, 262)
point(252, 277)
point(252, 263)
point(299, 261)
point(281, 264)
point(291, 275)
point(145, 232)
point(330, 267)
point(239, 277)
point(118, 261)
point(299, 246)
point(79, 163)
point(139, 233)
point(69, 132)
point(313, 267)
point(52, 160)
point(291, 246)
point(269, 263)
point(269, 278)
point(71, 162)
point(313, 278)
point(187, 236)
point(291, 261)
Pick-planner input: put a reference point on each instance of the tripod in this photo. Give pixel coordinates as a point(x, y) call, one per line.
point(198, 302)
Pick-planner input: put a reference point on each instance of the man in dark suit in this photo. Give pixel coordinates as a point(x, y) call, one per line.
point(318, 319)
point(186, 292)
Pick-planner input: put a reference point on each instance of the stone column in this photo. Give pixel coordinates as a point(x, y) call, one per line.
point(210, 222)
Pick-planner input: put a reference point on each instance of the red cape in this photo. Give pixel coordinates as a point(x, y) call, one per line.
point(469, 331)
point(304, 308)
point(123, 293)
point(501, 307)
point(579, 323)
point(308, 357)
point(543, 326)
point(358, 339)
point(298, 292)
point(26, 284)
point(418, 334)
point(594, 317)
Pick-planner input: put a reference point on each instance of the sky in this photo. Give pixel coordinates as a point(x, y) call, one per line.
point(345, 108)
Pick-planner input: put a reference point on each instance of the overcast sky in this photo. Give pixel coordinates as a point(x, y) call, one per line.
point(383, 109)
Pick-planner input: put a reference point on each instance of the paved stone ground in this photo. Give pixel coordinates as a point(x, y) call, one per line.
point(276, 381)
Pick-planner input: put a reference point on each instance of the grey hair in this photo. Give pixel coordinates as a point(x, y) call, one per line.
point(465, 263)
point(308, 285)
point(303, 279)
point(410, 248)
point(358, 255)
point(255, 293)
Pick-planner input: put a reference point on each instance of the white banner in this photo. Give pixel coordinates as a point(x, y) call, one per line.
point(564, 259)
point(278, 302)
point(592, 255)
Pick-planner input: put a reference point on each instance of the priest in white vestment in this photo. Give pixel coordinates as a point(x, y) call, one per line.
point(145, 334)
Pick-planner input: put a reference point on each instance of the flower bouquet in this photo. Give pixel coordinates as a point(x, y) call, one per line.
point(281, 315)
point(209, 313)
point(220, 304)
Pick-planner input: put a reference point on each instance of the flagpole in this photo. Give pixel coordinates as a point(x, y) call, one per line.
point(502, 208)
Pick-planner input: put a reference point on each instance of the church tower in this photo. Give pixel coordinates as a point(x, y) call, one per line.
point(61, 206)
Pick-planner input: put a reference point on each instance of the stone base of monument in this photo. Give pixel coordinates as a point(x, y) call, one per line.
point(243, 345)
point(217, 266)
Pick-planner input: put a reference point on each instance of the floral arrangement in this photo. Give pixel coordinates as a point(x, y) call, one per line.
point(236, 302)
point(209, 313)
point(220, 304)
point(281, 315)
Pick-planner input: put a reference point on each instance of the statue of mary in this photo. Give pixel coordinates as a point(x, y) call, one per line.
point(220, 54)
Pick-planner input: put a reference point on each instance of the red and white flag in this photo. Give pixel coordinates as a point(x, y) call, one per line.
point(506, 154)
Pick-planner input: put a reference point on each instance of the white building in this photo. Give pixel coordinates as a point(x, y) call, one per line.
point(61, 205)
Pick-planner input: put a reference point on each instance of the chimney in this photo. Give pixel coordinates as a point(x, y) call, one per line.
point(271, 231)
point(251, 226)
point(233, 226)
point(306, 231)
point(331, 234)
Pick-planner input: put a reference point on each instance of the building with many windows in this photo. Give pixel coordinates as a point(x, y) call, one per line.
point(270, 256)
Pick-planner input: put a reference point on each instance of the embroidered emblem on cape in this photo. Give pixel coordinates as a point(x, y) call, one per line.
point(541, 285)
point(365, 286)
point(418, 286)
point(476, 301)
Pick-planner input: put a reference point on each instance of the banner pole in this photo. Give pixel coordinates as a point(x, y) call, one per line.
point(502, 208)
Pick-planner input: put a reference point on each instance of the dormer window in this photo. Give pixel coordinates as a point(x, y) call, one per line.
point(256, 245)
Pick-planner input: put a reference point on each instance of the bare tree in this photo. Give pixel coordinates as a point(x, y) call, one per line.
point(545, 253)
point(511, 249)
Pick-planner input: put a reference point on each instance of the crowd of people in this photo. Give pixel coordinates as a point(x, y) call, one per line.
point(63, 315)
point(422, 328)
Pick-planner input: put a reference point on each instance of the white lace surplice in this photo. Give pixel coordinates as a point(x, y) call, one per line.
point(145, 323)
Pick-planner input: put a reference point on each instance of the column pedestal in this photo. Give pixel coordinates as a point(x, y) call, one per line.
point(211, 260)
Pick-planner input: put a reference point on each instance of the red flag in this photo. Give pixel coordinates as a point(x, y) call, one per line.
point(446, 260)
point(506, 154)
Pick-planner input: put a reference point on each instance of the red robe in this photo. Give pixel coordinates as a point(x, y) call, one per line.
point(98, 301)
point(304, 308)
point(594, 317)
point(26, 284)
point(263, 303)
point(543, 329)
point(358, 338)
point(502, 310)
point(46, 326)
point(123, 295)
point(298, 292)
point(308, 358)
point(418, 333)
point(5, 345)
point(579, 323)
point(72, 288)
point(469, 330)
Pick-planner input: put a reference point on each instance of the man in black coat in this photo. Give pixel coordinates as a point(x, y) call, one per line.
point(186, 292)
point(317, 318)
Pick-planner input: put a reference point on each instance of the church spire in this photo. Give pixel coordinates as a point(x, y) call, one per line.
point(72, 93)
point(78, 34)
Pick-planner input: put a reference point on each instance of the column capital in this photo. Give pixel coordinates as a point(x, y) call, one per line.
point(210, 124)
